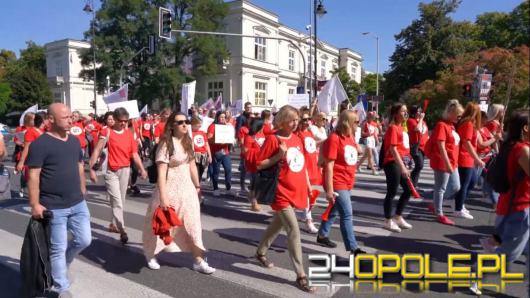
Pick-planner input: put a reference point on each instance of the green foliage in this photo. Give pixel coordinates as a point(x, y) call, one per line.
point(369, 83)
point(28, 87)
point(33, 56)
point(506, 30)
point(6, 58)
point(122, 29)
point(5, 93)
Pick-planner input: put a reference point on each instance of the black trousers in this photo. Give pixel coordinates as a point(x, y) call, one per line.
point(419, 158)
point(134, 173)
point(393, 180)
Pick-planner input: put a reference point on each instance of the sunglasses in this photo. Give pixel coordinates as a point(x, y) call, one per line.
point(180, 122)
point(122, 120)
point(305, 119)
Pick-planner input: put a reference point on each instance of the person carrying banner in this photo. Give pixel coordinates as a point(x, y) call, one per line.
point(221, 156)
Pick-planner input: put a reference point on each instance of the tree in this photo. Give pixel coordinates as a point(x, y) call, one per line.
point(351, 87)
point(5, 93)
point(122, 29)
point(28, 87)
point(34, 56)
point(423, 46)
point(369, 83)
point(6, 58)
point(506, 30)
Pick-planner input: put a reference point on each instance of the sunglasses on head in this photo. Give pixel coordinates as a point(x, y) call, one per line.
point(180, 122)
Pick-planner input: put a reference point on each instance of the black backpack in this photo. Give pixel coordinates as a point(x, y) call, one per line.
point(497, 170)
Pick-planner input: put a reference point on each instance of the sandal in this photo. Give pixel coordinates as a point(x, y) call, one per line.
point(303, 284)
point(264, 261)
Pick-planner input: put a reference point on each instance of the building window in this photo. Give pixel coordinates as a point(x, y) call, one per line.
point(58, 69)
point(353, 71)
point(291, 90)
point(260, 48)
point(291, 60)
point(323, 68)
point(260, 93)
point(214, 89)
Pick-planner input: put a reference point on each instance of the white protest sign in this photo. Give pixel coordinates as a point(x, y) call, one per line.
point(188, 96)
point(206, 122)
point(298, 100)
point(224, 134)
point(32, 109)
point(131, 106)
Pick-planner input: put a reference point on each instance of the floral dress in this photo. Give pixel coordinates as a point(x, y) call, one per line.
point(182, 195)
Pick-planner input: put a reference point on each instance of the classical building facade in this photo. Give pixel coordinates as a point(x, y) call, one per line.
point(264, 71)
point(63, 65)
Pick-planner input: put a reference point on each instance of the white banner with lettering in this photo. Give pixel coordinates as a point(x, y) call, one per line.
point(224, 134)
point(298, 100)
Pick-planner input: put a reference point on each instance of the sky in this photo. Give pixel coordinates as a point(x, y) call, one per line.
point(50, 20)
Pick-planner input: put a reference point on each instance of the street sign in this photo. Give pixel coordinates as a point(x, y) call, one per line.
point(270, 101)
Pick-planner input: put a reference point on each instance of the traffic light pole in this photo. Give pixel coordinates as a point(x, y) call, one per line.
point(129, 61)
point(252, 36)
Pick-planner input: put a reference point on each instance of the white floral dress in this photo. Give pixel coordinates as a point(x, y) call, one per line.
point(182, 195)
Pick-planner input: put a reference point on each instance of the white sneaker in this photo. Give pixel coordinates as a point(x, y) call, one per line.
point(216, 193)
point(153, 264)
point(392, 226)
point(462, 214)
point(465, 210)
point(311, 227)
point(203, 267)
point(400, 221)
point(487, 245)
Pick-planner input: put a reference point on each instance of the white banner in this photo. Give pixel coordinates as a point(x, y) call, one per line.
point(298, 100)
point(119, 95)
point(331, 95)
point(224, 134)
point(188, 96)
point(359, 109)
point(32, 109)
point(206, 122)
point(131, 106)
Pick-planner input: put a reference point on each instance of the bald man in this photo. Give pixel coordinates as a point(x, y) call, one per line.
point(57, 183)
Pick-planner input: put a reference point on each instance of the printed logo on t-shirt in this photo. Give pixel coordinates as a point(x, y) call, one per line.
point(310, 145)
point(456, 137)
point(350, 155)
point(198, 140)
point(260, 141)
point(371, 129)
point(406, 142)
point(423, 129)
point(295, 159)
point(147, 126)
point(90, 126)
point(76, 131)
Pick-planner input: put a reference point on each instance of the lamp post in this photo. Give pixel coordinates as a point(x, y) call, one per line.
point(318, 10)
point(377, 62)
point(310, 74)
point(89, 8)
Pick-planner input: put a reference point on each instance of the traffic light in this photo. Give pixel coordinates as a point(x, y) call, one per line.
point(467, 91)
point(93, 104)
point(164, 23)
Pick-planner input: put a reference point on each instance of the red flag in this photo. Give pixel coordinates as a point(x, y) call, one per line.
point(425, 104)
point(313, 197)
point(415, 193)
point(325, 215)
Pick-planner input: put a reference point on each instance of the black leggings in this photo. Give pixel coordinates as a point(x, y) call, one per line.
point(393, 180)
point(134, 173)
point(418, 157)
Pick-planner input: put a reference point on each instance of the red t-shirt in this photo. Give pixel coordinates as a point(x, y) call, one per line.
point(396, 136)
point(243, 132)
point(216, 147)
point(32, 134)
point(121, 147)
point(493, 126)
point(343, 150)
point(19, 129)
point(486, 136)
point(370, 129)
point(93, 129)
point(146, 128)
point(252, 145)
point(311, 157)
point(444, 131)
point(292, 180)
point(521, 199)
point(78, 130)
point(159, 129)
point(466, 131)
point(267, 128)
point(199, 141)
point(417, 137)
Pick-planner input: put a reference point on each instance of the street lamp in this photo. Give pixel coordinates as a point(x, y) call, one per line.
point(89, 8)
point(319, 11)
point(377, 63)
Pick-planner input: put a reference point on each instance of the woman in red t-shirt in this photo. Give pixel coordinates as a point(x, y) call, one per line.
point(419, 134)
point(220, 156)
point(286, 150)
point(201, 148)
point(442, 150)
point(311, 152)
point(468, 158)
point(267, 123)
point(369, 133)
point(122, 148)
point(250, 149)
point(33, 131)
point(486, 141)
point(512, 223)
point(340, 154)
point(396, 156)
point(495, 118)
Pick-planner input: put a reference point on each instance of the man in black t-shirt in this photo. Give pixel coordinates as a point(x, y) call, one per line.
point(57, 183)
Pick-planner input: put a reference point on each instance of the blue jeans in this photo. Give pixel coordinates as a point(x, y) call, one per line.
point(489, 192)
point(342, 208)
point(514, 233)
point(446, 185)
point(218, 160)
point(466, 181)
point(75, 219)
